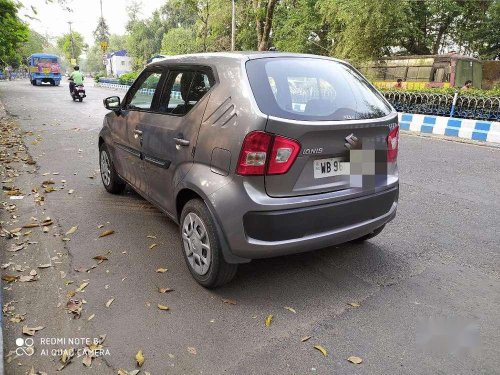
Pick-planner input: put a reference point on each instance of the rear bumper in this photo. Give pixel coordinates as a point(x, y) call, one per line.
point(269, 233)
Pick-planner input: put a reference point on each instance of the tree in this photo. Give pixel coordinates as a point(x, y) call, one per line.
point(101, 33)
point(264, 11)
point(117, 42)
point(72, 45)
point(13, 32)
point(179, 41)
point(294, 21)
point(145, 38)
point(363, 29)
point(35, 43)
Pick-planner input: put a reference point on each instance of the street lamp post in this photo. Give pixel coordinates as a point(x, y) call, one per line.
point(71, 39)
point(233, 25)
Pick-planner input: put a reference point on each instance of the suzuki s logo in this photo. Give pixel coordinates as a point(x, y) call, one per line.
point(352, 142)
point(313, 151)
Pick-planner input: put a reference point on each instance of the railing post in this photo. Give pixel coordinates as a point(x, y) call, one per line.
point(453, 104)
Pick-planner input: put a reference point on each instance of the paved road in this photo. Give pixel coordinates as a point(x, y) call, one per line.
point(428, 287)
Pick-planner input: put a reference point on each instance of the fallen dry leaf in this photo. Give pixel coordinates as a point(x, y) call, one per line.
point(321, 349)
point(354, 304)
point(91, 317)
point(9, 278)
point(151, 236)
point(291, 309)
point(269, 320)
point(82, 287)
point(355, 360)
point(71, 230)
point(191, 350)
point(162, 270)
point(33, 273)
point(74, 306)
point(110, 301)
point(163, 307)
point(45, 265)
point(165, 290)
point(71, 191)
point(152, 246)
point(139, 357)
point(31, 225)
point(27, 278)
point(107, 232)
point(13, 248)
point(229, 301)
point(30, 331)
point(100, 258)
point(305, 338)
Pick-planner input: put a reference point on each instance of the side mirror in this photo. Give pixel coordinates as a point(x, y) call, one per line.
point(112, 103)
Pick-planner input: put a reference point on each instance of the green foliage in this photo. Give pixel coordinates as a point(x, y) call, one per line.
point(99, 75)
point(101, 33)
point(178, 41)
point(13, 32)
point(72, 46)
point(36, 43)
point(294, 21)
point(145, 38)
point(128, 78)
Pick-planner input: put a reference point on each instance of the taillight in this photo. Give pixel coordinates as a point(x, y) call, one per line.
point(264, 153)
point(393, 144)
point(253, 154)
point(283, 154)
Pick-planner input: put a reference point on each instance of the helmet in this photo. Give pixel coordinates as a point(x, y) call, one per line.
point(77, 67)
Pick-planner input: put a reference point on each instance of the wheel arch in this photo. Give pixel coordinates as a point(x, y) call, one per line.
point(184, 195)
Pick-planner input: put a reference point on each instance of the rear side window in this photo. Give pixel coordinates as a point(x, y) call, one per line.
point(183, 90)
point(313, 89)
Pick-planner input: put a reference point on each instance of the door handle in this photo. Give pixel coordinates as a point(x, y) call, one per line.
point(137, 133)
point(181, 142)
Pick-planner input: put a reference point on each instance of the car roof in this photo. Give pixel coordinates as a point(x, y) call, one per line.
point(214, 57)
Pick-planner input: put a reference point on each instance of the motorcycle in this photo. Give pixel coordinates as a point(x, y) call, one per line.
point(78, 92)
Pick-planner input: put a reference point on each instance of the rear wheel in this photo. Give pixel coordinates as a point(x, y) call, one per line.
point(110, 179)
point(202, 250)
point(80, 99)
point(376, 232)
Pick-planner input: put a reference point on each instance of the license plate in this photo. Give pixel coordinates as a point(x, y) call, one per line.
point(330, 167)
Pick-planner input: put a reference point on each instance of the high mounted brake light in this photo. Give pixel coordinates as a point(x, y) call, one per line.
point(264, 153)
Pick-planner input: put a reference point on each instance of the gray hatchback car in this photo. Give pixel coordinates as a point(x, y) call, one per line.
point(254, 155)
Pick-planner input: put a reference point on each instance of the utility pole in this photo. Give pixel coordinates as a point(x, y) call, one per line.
point(233, 26)
point(71, 39)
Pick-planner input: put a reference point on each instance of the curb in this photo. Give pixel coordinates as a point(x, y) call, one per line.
point(476, 130)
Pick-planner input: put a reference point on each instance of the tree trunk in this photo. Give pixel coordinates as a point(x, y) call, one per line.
point(263, 26)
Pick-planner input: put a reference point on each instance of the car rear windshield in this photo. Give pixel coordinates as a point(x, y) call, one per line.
point(313, 89)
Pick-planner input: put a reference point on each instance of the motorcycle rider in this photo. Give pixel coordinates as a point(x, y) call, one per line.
point(75, 79)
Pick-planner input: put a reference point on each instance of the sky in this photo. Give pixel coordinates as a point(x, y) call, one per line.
point(53, 19)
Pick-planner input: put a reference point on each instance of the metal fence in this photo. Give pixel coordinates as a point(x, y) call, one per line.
point(471, 107)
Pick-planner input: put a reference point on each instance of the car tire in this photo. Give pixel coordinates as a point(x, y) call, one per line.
point(366, 237)
point(110, 179)
point(210, 270)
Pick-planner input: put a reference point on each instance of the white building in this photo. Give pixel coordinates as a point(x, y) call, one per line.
point(118, 63)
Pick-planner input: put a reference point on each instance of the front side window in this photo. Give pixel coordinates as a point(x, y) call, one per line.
point(145, 88)
point(183, 90)
point(312, 90)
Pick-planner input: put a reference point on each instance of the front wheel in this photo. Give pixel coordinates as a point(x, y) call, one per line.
point(202, 249)
point(110, 178)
